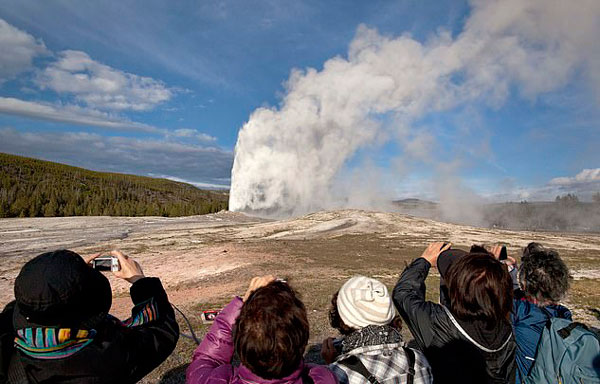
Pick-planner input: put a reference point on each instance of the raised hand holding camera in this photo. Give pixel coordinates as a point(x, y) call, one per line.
point(432, 252)
point(130, 269)
point(258, 282)
point(89, 258)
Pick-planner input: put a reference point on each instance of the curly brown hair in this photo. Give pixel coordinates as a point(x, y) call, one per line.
point(335, 320)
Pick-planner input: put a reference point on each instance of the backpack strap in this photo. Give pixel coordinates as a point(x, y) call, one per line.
point(566, 331)
point(353, 363)
point(410, 356)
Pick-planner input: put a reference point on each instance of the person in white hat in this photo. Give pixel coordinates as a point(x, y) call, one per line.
point(371, 349)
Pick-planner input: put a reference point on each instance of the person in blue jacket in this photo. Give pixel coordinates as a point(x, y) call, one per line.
point(544, 281)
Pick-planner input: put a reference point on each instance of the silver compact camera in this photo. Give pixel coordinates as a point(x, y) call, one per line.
point(106, 263)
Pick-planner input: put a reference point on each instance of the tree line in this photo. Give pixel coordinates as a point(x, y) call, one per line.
point(36, 188)
point(565, 213)
point(571, 198)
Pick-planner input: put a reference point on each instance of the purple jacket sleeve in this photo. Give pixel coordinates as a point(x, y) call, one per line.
point(212, 356)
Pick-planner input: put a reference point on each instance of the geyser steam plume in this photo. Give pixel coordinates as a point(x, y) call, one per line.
point(287, 158)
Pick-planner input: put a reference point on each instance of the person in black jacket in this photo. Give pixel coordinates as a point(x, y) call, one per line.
point(58, 329)
point(472, 340)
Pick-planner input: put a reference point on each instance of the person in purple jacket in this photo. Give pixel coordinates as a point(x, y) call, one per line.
point(268, 329)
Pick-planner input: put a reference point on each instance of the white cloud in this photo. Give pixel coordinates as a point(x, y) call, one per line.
point(70, 114)
point(583, 178)
point(98, 86)
point(206, 137)
point(584, 185)
point(17, 50)
point(194, 134)
point(101, 86)
point(73, 114)
point(193, 163)
point(194, 183)
point(185, 132)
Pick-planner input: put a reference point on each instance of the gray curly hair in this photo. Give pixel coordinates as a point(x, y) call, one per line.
point(543, 274)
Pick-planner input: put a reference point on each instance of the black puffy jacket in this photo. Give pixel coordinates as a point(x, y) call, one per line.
point(99, 349)
point(489, 355)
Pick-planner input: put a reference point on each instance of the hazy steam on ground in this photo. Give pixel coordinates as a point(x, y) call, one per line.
point(292, 159)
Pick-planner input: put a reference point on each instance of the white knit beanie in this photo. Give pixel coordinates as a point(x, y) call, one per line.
point(364, 301)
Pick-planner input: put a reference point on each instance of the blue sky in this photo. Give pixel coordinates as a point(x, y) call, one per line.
point(161, 88)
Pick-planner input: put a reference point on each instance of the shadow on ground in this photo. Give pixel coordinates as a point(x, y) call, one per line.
point(174, 376)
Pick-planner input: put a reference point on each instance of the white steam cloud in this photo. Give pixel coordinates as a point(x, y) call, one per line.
point(288, 159)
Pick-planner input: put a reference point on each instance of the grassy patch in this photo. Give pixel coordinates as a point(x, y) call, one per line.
point(585, 293)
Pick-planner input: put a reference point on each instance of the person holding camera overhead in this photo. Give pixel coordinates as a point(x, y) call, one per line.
point(58, 329)
point(470, 340)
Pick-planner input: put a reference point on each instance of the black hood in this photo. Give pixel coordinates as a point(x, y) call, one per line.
point(444, 261)
point(58, 289)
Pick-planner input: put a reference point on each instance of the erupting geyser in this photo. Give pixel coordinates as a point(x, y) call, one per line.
point(287, 158)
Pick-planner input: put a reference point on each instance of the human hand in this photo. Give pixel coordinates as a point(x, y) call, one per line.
point(258, 282)
point(130, 269)
point(496, 251)
point(432, 252)
point(328, 351)
point(510, 261)
point(89, 258)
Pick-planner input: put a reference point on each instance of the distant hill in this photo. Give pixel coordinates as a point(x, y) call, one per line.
point(36, 188)
point(415, 203)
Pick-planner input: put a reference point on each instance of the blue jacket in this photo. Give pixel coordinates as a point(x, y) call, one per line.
point(528, 323)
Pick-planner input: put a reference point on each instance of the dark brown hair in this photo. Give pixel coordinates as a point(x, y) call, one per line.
point(480, 288)
point(272, 331)
point(335, 320)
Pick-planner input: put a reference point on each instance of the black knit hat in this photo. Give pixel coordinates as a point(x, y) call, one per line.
point(59, 289)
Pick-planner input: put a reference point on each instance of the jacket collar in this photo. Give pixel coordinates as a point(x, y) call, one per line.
point(52, 343)
point(247, 376)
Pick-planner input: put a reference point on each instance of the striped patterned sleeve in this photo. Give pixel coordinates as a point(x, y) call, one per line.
point(143, 313)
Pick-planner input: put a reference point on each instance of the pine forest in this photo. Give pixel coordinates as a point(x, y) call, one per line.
point(36, 188)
